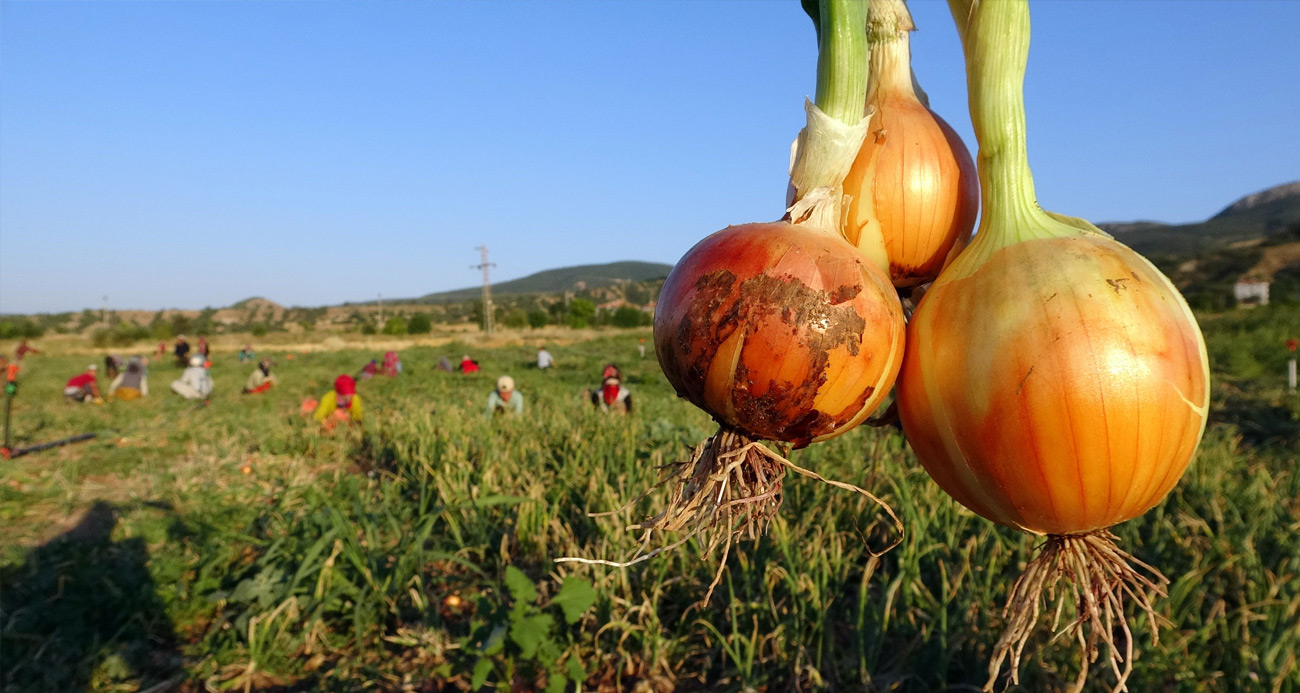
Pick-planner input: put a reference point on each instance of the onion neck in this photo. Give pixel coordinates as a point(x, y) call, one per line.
point(891, 52)
point(996, 43)
point(842, 59)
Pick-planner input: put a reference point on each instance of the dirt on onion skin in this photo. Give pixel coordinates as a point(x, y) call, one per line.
point(819, 322)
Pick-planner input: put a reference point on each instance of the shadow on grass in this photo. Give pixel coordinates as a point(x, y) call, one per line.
point(83, 607)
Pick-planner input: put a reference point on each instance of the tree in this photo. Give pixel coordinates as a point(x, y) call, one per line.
point(515, 318)
point(538, 318)
point(419, 324)
point(627, 316)
point(395, 325)
point(580, 313)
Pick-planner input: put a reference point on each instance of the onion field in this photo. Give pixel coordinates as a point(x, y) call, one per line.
point(236, 546)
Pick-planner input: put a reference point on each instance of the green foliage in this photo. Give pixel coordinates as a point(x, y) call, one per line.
point(368, 328)
point(538, 318)
point(258, 330)
point(515, 318)
point(120, 334)
point(522, 638)
point(579, 313)
point(395, 325)
point(419, 324)
point(19, 328)
point(627, 316)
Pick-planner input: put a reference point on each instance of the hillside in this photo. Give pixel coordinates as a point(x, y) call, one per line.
point(1252, 218)
point(560, 280)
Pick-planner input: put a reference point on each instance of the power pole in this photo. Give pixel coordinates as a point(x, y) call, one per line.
point(487, 288)
point(381, 311)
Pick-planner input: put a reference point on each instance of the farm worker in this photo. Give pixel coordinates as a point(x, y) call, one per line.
point(182, 351)
point(641, 347)
point(131, 383)
point(261, 380)
point(468, 365)
point(23, 350)
point(444, 364)
point(343, 398)
point(84, 387)
point(392, 364)
point(612, 396)
point(112, 364)
point(246, 354)
point(504, 398)
point(195, 382)
point(369, 370)
point(162, 349)
point(204, 350)
point(544, 358)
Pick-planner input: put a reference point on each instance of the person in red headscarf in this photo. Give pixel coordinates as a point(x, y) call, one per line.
point(392, 364)
point(342, 402)
point(612, 396)
point(468, 365)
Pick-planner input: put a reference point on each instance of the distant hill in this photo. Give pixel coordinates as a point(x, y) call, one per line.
point(1252, 218)
point(560, 280)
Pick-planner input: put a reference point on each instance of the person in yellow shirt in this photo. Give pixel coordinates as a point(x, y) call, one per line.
point(340, 403)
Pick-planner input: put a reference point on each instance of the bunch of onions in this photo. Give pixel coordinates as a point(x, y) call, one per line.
point(1054, 380)
point(913, 189)
point(781, 331)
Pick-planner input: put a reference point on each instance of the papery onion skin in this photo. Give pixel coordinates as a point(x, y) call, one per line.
point(779, 332)
point(1057, 385)
point(922, 185)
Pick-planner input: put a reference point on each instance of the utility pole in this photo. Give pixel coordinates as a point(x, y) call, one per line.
point(381, 311)
point(487, 288)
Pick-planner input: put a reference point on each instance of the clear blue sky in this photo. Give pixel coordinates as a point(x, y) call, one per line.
point(191, 154)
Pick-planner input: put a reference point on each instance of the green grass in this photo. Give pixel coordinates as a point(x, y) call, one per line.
point(329, 565)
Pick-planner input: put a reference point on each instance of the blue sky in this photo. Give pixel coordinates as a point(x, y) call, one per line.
point(191, 154)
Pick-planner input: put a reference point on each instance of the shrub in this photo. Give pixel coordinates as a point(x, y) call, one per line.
point(259, 330)
point(515, 318)
point(395, 325)
point(419, 324)
point(538, 318)
point(627, 316)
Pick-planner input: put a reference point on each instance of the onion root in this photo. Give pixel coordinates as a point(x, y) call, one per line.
point(1101, 577)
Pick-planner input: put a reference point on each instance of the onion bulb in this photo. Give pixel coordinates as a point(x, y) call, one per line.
point(1054, 380)
point(779, 332)
point(913, 185)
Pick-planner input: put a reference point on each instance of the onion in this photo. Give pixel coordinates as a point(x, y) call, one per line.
point(1054, 381)
point(779, 332)
point(913, 186)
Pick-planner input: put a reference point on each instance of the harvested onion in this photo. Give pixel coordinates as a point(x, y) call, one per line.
point(913, 185)
point(781, 331)
point(1054, 381)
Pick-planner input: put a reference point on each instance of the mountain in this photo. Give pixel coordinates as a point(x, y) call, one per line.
point(1254, 217)
point(560, 280)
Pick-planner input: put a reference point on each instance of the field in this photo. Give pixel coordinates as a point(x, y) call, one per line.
point(418, 553)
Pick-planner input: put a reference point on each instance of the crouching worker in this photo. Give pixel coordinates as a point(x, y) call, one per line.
point(612, 396)
point(261, 380)
point(341, 403)
point(504, 398)
point(195, 382)
point(131, 383)
point(84, 387)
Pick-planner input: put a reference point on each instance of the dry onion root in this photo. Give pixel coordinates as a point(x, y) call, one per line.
point(1102, 578)
point(730, 490)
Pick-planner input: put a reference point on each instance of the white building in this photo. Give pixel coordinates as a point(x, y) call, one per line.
point(1251, 292)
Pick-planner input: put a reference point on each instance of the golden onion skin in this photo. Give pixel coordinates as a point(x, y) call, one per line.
point(779, 332)
point(922, 187)
point(1060, 386)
